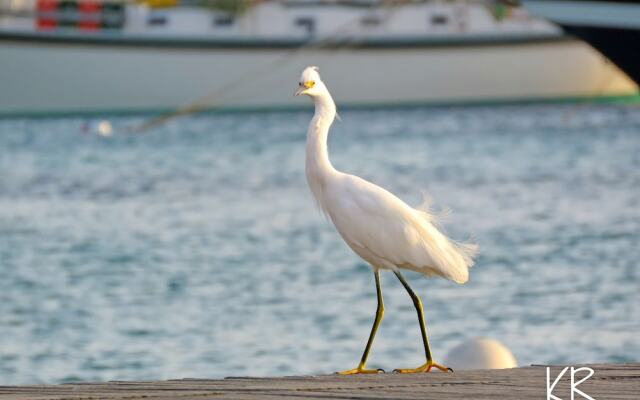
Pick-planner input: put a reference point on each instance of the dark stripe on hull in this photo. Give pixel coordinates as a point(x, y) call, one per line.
point(626, 99)
point(263, 44)
point(622, 46)
point(598, 1)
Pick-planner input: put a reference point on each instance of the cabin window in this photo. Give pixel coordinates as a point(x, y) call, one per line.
point(68, 13)
point(113, 15)
point(307, 23)
point(370, 20)
point(223, 20)
point(157, 19)
point(439, 19)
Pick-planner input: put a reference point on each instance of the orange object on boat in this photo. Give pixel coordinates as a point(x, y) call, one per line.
point(47, 11)
point(89, 13)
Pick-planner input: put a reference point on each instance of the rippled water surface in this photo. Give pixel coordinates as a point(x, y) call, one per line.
point(195, 250)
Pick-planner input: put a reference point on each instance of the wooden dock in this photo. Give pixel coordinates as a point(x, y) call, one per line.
point(609, 382)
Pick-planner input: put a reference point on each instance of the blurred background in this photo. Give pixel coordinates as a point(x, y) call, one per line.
point(155, 221)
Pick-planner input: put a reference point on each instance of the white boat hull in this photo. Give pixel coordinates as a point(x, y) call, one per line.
point(44, 77)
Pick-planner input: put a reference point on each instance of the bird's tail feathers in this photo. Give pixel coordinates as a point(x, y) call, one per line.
point(426, 209)
point(468, 251)
point(427, 202)
point(452, 258)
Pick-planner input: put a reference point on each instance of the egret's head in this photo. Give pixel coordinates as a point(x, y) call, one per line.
point(310, 82)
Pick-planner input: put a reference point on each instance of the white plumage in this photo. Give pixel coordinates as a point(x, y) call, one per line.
point(378, 226)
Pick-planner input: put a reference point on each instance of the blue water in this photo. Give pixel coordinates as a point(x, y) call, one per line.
point(195, 250)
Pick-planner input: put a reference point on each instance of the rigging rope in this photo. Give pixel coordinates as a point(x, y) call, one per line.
point(208, 102)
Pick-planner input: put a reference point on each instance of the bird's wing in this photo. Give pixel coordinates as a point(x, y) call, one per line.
point(372, 218)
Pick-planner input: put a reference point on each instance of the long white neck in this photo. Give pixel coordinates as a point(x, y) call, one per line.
point(318, 167)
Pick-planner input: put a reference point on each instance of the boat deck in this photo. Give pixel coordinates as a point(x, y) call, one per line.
point(610, 381)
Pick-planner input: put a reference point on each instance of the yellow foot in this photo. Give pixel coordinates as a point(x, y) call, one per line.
point(424, 368)
point(361, 370)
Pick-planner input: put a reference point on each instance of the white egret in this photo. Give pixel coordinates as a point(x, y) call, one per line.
point(378, 226)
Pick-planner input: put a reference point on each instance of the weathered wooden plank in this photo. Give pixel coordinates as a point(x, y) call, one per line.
point(610, 381)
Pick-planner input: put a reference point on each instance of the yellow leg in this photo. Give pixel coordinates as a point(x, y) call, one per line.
point(426, 367)
point(361, 369)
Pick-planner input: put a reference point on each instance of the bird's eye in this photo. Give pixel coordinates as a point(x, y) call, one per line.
point(299, 83)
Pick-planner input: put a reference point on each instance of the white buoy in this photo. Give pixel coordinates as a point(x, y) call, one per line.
point(105, 128)
point(480, 353)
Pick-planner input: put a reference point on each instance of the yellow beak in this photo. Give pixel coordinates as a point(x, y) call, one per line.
point(303, 87)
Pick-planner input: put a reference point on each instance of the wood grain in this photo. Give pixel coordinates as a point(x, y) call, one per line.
point(610, 382)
